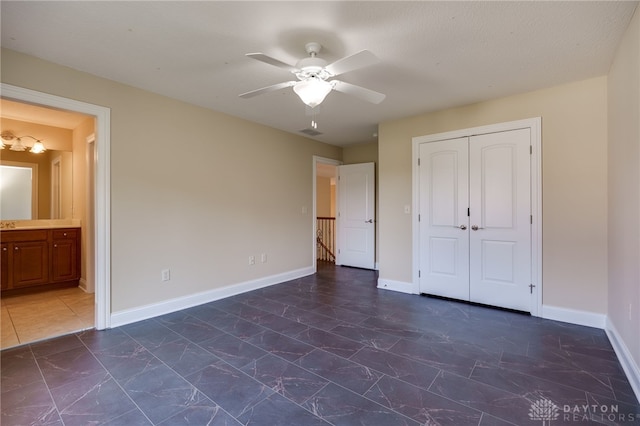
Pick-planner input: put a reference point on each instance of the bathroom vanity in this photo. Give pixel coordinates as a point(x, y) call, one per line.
point(39, 257)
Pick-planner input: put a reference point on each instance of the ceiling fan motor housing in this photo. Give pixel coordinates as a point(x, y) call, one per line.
point(312, 67)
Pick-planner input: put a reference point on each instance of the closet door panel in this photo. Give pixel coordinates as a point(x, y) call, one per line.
point(500, 237)
point(444, 239)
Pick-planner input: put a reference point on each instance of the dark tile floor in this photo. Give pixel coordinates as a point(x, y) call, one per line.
point(326, 349)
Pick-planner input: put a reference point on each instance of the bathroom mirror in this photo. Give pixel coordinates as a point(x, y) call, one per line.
point(36, 186)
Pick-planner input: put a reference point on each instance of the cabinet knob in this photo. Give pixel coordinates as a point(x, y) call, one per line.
point(64, 234)
point(4, 249)
point(55, 246)
point(15, 248)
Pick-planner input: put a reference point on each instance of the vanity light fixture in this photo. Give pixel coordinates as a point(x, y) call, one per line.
point(18, 145)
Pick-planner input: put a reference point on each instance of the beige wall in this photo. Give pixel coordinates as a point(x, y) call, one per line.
point(199, 204)
point(323, 196)
point(624, 189)
point(574, 175)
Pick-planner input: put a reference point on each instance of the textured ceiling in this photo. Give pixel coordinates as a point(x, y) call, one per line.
point(433, 55)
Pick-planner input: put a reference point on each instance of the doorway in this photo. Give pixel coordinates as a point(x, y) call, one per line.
point(100, 184)
point(477, 230)
point(324, 210)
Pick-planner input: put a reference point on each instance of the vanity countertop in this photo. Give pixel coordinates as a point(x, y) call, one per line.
point(9, 225)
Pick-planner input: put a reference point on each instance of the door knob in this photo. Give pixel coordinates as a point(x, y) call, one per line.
point(463, 227)
point(368, 221)
point(476, 227)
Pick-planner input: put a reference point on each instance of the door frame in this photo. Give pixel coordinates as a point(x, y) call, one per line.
point(317, 159)
point(102, 185)
point(535, 127)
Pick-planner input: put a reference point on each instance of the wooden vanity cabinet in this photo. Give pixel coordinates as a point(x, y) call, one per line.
point(39, 257)
point(64, 255)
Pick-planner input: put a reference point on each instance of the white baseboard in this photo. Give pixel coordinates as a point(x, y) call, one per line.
point(574, 316)
point(629, 365)
point(401, 286)
point(129, 316)
point(83, 285)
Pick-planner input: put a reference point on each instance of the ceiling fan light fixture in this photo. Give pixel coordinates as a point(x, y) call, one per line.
point(312, 91)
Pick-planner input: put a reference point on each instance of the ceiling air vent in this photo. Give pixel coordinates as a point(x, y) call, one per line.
point(310, 132)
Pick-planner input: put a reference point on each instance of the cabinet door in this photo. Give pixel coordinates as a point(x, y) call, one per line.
point(30, 263)
point(63, 259)
point(4, 266)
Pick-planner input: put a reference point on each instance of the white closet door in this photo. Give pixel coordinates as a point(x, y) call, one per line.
point(444, 233)
point(500, 235)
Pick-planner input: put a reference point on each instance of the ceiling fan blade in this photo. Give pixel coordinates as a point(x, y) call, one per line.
point(362, 59)
point(267, 89)
point(357, 91)
point(272, 61)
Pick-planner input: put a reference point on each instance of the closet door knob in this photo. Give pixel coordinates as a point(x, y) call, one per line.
point(463, 227)
point(476, 227)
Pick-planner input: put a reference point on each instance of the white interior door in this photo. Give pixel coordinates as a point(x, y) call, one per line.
point(356, 215)
point(444, 235)
point(500, 236)
point(475, 219)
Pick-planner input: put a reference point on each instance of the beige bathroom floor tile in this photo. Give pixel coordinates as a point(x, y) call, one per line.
point(43, 315)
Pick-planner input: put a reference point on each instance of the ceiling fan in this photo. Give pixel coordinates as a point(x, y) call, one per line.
point(314, 76)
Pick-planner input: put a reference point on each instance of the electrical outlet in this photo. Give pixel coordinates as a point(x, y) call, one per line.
point(263, 258)
point(166, 274)
point(252, 260)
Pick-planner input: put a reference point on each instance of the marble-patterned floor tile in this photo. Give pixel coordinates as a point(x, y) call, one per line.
point(434, 357)
point(365, 335)
point(133, 417)
point(29, 404)
point(561, 373)
point(285, 378)
point(404, 330)
point(341, 407)
point(56, 345)
point(311, 319)
point(235, 351)
point(18, 369)
point(64, 367)
point(90, 400)
point(421, 405)
point(281, 345)
point(349, 374)
point(281, 325)
point(184, 356)
point(345, 315)
point(330, 342)
point(328, 348)
point(205, 413)
point(230, 388)
point(276, 410)
point(161, 393)
point(127, 359)
point(237, 326)
point(402, 368)
point(150, 333)
point(496, 402)
point(191, 328)
point(103, 339)
point(530, 387)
